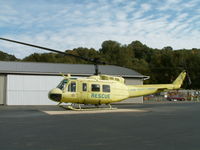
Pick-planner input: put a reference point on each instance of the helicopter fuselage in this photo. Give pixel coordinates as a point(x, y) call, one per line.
point(105, 89)
point(91, 90)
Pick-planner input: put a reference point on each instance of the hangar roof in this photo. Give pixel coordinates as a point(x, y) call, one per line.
point(8, 67)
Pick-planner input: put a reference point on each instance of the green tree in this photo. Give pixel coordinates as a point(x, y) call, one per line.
point(167, 48)
point(117, 54)
point(7, 57)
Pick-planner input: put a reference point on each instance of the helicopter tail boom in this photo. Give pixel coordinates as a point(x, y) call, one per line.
point(141, 90)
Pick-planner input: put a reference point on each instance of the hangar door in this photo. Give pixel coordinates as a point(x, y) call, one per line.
point(30, 89)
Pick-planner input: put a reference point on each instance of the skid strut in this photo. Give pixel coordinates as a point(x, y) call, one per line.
point(70, 107)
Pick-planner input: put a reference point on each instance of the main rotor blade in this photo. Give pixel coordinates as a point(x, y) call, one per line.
point(52, 50)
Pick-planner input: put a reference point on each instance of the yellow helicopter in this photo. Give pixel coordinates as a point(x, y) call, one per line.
point(100, 89)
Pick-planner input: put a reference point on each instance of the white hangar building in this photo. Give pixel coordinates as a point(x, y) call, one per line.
point(24, 83)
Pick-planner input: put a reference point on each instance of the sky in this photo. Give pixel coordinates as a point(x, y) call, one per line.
point(68, 24)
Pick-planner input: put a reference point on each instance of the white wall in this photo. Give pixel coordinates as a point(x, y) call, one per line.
point(2, 89)
point(30, 89)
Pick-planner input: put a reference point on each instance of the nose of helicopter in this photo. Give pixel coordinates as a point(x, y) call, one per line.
point(55, 95)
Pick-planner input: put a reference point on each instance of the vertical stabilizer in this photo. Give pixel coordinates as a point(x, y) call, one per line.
point(179, 80)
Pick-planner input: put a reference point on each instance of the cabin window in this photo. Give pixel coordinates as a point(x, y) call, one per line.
point(106, 88)
point(62, 84)
point(84, 87)
point(96, 87)
point(72, 87)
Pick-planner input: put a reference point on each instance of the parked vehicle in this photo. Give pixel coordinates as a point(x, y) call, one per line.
point(175, 98)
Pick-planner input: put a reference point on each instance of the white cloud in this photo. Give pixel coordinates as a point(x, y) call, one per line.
point(190, 4)
point(130, 7)
point(145, 7)
point(121, 16)
point(88, 24)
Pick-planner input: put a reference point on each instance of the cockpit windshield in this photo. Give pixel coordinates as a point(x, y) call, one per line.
point(62, 84)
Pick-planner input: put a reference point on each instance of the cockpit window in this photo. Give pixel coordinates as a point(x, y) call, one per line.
point(62, 84)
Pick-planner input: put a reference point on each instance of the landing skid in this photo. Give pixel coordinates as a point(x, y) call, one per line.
point(70, 107)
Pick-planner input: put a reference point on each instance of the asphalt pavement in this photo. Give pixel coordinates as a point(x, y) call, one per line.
point(154, 127)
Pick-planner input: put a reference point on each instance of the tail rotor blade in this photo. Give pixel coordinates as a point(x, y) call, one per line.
point(189, 79)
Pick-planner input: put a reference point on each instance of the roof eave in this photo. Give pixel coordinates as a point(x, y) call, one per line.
point(74, 74)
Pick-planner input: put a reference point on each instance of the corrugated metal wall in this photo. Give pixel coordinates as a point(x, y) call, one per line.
point(2, 89)
point(30, 89)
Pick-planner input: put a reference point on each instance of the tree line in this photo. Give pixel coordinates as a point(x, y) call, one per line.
point(162, 65)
